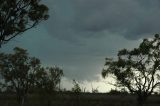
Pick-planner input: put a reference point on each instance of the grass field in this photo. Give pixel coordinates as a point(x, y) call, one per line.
point(83, 99)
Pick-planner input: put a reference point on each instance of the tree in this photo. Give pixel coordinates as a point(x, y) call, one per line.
point(19, 71)
point(76, 88)
point(18, 16)
point(138, 70)
point(94, 90)
point(48, 80)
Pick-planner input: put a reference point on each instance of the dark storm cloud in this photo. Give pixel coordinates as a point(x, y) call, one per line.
point(87, 18)
point(92, 26)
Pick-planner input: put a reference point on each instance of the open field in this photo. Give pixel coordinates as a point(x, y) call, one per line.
point(83, 99)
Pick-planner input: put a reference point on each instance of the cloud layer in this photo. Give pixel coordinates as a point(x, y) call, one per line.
point(132, 19)
point(81, 33)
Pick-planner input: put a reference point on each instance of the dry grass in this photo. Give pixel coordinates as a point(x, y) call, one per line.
point(83, 99)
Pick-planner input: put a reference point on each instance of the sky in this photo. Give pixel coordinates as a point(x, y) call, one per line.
point(80, 34)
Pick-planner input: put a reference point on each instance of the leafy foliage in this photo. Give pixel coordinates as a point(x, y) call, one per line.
point(49, 78)
point(18, 16)
point(76, 88)
point(19, 70)
point(23, 73)
point(137, 69)
point(47, 82)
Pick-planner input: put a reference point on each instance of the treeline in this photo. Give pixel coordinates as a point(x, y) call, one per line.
point(22, 74)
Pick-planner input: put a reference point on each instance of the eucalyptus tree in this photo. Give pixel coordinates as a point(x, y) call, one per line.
point(138, 70)
point(19, 72)
point(76, 88)
point(48, 80)
point(18, 16)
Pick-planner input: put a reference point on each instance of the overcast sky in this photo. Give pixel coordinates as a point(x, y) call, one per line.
point(80, 34)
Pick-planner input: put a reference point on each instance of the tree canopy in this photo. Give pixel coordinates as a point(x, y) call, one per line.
point(138, 70)
point(76, 88)
point(22, 73)
point(49, 78)
point(18, 71)
point(18, 16)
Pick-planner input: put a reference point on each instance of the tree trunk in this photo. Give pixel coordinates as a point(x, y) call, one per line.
point(21, 100)
point(49, 100)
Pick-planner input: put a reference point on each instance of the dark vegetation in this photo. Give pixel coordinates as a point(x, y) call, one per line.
point(83, 99)
point(22, 74)
point(26, 82)
point(18, 16)
point(137, 70)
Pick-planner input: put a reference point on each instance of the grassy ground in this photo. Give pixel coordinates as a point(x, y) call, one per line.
point(84, 99)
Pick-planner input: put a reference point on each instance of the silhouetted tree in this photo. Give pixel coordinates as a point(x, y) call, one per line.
point(118, 92)
point(138, 70)
point(114, 92)
point(48, 80)
point(19, 71)
point(76, 90)
point(94, 90)
point(76, 87)
point(18, 16)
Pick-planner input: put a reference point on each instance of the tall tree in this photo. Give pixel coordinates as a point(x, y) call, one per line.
point(76, 88)
point(49, 78)
point(138, 70)
point(18, 16)
point(19, 71)
point(47, 82)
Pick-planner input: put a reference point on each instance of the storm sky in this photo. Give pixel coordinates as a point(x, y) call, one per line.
point(80, 34)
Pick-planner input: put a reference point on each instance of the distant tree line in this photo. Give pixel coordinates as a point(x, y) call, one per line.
point(21, 74)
